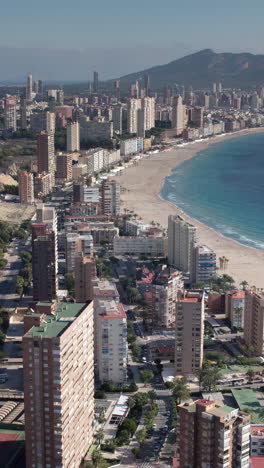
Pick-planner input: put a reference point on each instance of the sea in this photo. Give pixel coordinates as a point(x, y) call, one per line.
point(223, 187)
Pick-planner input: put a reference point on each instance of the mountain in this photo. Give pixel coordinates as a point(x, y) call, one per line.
point(202, 68)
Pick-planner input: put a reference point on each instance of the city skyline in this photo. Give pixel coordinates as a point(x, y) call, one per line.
point(160, 35)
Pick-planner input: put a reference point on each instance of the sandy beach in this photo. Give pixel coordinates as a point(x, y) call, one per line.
point(141, 186)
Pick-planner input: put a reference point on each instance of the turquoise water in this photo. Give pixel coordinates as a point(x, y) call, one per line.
point(223, 186)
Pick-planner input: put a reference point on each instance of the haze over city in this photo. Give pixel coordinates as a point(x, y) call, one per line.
point(119, 37)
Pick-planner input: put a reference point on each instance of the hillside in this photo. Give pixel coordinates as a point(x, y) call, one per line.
point(202, 68)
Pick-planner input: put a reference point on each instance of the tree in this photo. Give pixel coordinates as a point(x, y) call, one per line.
point(133, 294)
point(141, 435)
point(97, 458)
point(250, 374)
point(25, 256)
point(208, 377)
point(146, 376)
point(129, 425)
point(152, 396)
point(180, 389)
point(19, 285)
point(70, 283)
point(244, 285)
point(99, 436)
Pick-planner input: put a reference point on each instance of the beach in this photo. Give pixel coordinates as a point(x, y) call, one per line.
point(140, 193)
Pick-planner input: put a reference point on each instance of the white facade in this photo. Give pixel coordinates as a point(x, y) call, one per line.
point(134, 227)
point(73, 136)
point(181, 240)
point(110, 340)
point(178, 114)
point(152, 246)
point(205, 263)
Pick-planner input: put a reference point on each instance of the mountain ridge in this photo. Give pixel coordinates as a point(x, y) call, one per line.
point(202, 68)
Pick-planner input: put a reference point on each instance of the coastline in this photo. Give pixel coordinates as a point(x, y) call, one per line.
point(141, 185)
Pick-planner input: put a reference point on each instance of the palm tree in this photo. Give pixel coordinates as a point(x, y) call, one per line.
point(97, 458)
point(180, 390)
point(244, 285)
point(99, 436)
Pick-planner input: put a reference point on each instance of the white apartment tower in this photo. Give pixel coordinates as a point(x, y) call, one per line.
point(29, 87)
point(73, 136)
point(140, 115)
point(178, 114)
point(111, 198)
point(181, 241)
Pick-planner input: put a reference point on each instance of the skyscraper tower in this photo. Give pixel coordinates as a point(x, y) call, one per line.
point(178, 115)
point(45, 154)
point(59, 385)
point(117, 89)
point(181, 241)
point(111, 198)
point(95, 82)
point(44, 263)
point(29, 87)
point(26, 188)
point(40, 87)
point(10, 113)
point(146, 83)
point(73, 136)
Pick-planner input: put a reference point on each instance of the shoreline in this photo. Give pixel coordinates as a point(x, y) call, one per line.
point(141, 185)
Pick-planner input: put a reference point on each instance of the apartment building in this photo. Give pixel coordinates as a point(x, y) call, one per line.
point(10, 114)
point(254, 320)
point(95, 130)
point(257, 440)
point(59, 386)
point(139, 245)
point(131, 146)
point(85, 193)
point(26, 188)
point(211, 435)
point(43, 184)
point(235, 307)
point(110, 198)
point(85, 274)
point(204, 264)
point(189, 332)
point(110, 340)
point(73, 136)
point(64, 167)
point(166, 288)
point(76, 243)
point(46, 154)
point(182, 237)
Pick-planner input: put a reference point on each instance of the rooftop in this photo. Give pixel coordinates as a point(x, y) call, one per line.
point(55, 325)
point(248, 402)
point(110, 309)
point(257, 430)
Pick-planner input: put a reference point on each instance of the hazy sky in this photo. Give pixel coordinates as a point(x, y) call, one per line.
point(67, 39)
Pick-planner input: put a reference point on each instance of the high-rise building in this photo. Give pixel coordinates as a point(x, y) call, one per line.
point(50, 122)
point(76, 243)
point(189, 332)
point(212, 435)
point(85, 194)
point(117, 89)
point(59, 386)
point(110, 337)
point(23, 113)
point(178, 110)
point(95, 82)
point(73, 136)
point(10, 115)
point(85, 274)
point(204, 264)
point(42, 184)
point(140, 115)
point(219, 87)
point(29, 87)
point(64, 167)
point(117, 119)
point(44, 263)
point(198, 116)
point(214, 88)
point(181, 240)
point(26, 188)
point(60, 97)
point(40, 88)
point(254, 321)
point(46, 154)
point(235, 307)
point(166, 288)
point(110, 198)
point(146, 84)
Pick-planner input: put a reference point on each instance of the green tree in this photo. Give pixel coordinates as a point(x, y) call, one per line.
point(129, 425)
point(99, 436)
point(180, 389)
point(209, 377)
point(250, 374)
point(19, 285)
point(141, 435)
point(133, 294)
point(244, 285)
point(25, 256)
point(97, 458)
point(146, 376)
point(152, 396)
point(70, 283)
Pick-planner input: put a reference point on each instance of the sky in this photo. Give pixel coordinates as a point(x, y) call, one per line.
point(66, 40)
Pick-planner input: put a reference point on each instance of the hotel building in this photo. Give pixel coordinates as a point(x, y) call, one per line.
point(254, 321)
